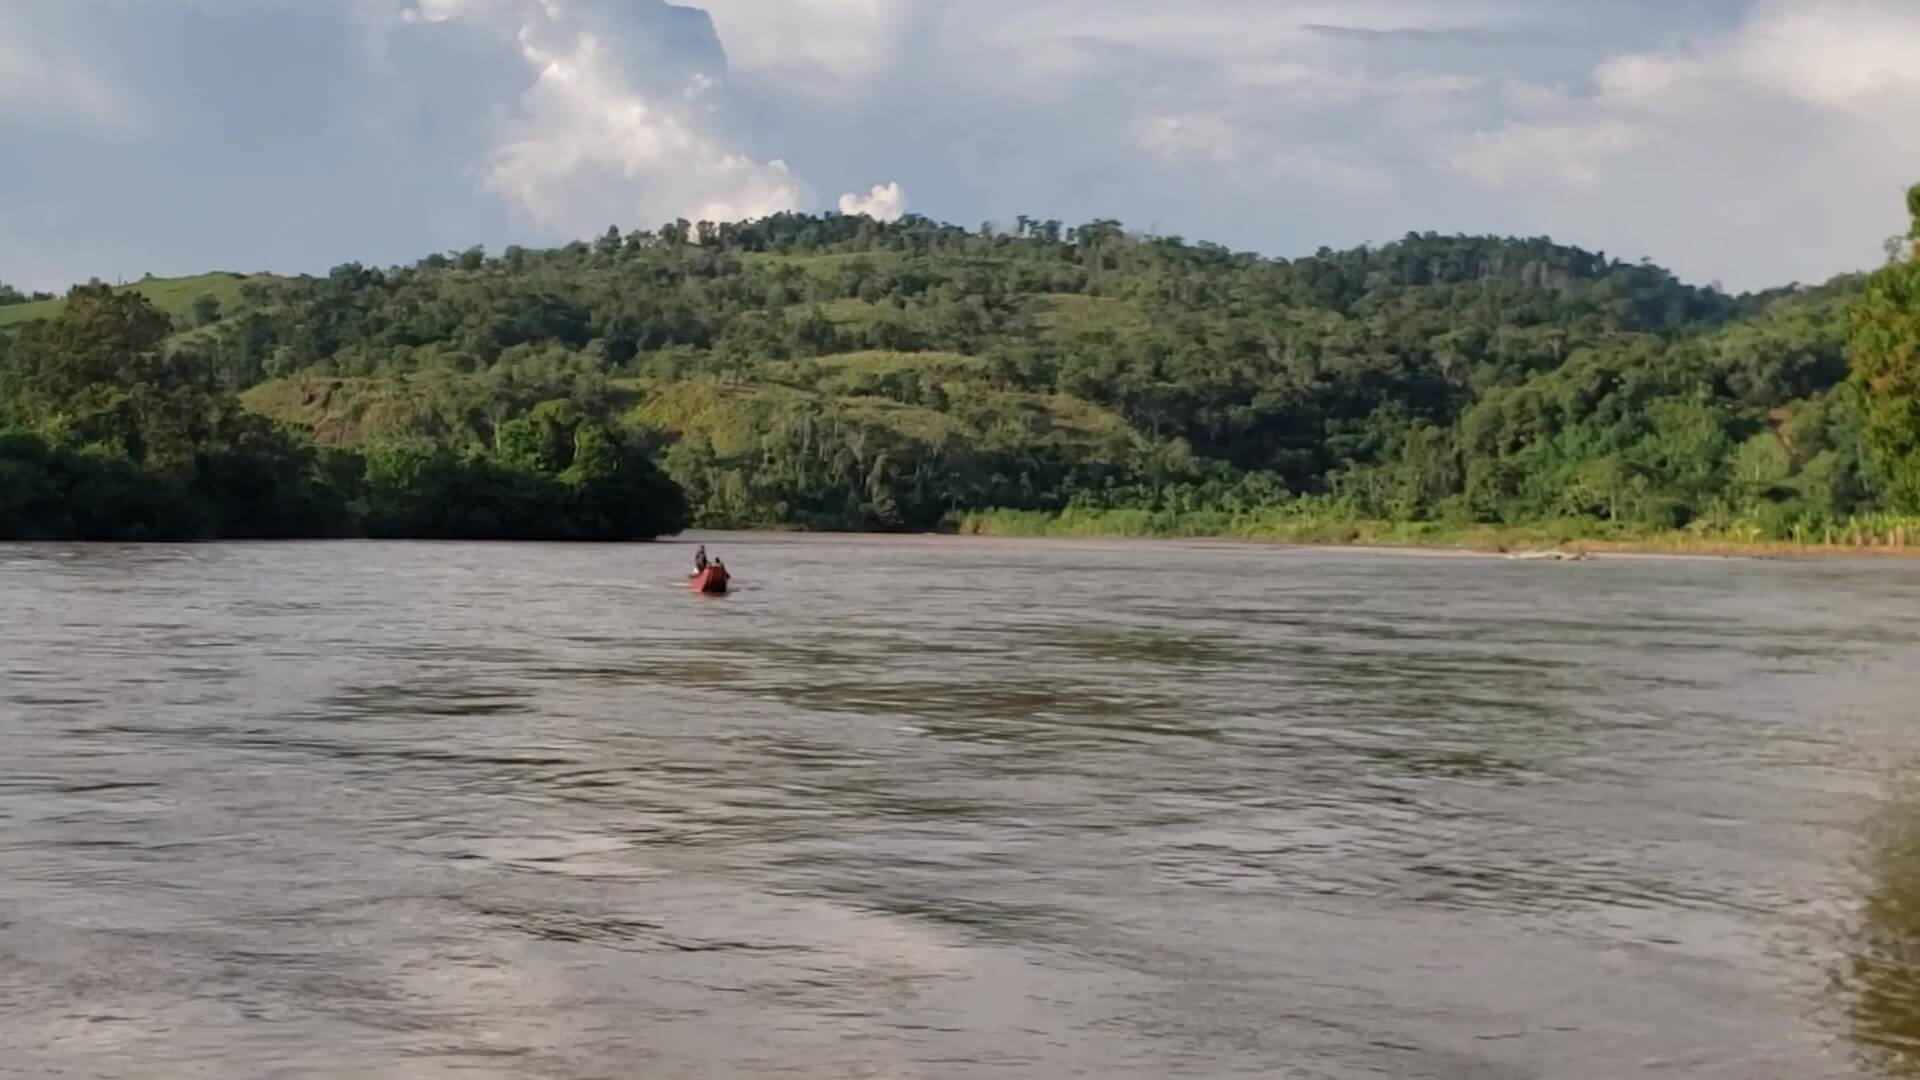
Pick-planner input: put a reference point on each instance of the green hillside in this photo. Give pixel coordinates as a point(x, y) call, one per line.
point(836, 372)
point(174, 296)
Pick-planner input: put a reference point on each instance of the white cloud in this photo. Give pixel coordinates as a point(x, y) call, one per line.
point(586, 134)
point(1829, 52)
point(1300, 84)
point(439, 10)
point(886, 202)
point(1198, 136)
point(1331, 173)
point(615, 127)
point(1573, 155)
point(1776, 150)
point(818, 46)
point(1221, 32)
point(40, 77)
point(1213, 140)
point(1749, 140)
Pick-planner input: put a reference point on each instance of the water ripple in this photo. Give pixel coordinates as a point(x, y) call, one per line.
point(925, 808)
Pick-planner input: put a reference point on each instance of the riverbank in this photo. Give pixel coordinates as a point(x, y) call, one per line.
point(1890, 537)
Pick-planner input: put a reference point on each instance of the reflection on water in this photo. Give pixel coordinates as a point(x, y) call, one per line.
point(1880, 976)
point(941, 808)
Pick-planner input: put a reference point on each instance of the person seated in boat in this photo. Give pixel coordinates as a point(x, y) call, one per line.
point(720, 571)
point(700, 559)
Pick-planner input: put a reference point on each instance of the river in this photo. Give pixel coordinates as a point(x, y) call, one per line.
point(934, 807)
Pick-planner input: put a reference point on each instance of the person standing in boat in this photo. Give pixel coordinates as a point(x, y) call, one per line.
point(700, 560)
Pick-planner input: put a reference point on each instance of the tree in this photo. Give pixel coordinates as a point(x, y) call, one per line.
point(91, 373)
point(610, 244)
point(1885, 338)
point(11, 295)
point(206, 309)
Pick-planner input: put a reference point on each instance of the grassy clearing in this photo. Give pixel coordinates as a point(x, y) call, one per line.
point(351, 411)
point(820, 266)
point(846, 311)
point(1072, 314)
point(732, 416)
point(880, 362)
point(174, 296)
point(727, 414)
point(871, 373)
point(14, 314)
point(345, 411)
point(1881, 535)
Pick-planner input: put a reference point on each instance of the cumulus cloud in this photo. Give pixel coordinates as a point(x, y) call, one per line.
point(619, 124)
point(886, 202)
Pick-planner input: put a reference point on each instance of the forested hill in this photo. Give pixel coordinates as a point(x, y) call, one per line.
point(836, 372)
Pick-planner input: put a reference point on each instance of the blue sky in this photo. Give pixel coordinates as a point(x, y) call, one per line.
point(1751, 142)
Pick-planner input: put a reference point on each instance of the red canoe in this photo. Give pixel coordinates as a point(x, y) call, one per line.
point(711, 580)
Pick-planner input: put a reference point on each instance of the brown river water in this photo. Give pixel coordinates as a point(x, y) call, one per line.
point(930, 808)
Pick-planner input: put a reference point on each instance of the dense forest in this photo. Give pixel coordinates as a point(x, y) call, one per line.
point(113, 428)
point(836, 372)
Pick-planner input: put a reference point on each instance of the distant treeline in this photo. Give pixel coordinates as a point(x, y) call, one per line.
point(837, 372)
point(10, 295)
point(107, 434)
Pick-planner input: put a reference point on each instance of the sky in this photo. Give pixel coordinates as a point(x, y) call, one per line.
point(1746, 142)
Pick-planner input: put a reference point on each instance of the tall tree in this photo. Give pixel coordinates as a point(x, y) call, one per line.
point(1885, 335)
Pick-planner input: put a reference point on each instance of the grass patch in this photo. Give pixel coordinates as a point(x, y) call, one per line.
point(174, 296)
point(732, 415)
point(881, 362)
point(845, 311)
point(871, 373)
point(345, 411)
point(1073, 314)
point(350, 411)
point(820, 266)
point(1877, 535)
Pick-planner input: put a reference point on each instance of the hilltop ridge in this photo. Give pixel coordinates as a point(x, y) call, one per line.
point(838, 372)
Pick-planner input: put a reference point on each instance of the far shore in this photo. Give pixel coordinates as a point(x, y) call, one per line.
point(1467, 541)
point(1512, 544)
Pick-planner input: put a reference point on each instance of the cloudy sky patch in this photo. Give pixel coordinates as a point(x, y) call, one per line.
point(1748, 141)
